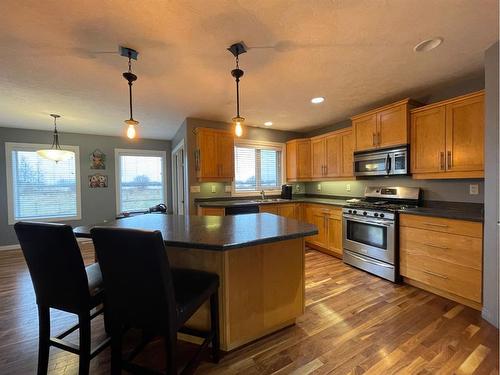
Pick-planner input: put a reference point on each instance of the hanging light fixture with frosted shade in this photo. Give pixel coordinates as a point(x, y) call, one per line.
point(237, 49)
point(130, 77)
point(55, 152)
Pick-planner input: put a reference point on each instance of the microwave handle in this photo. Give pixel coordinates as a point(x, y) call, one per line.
point(388, 164)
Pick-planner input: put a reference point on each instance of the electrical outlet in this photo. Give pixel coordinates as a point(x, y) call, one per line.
point(214, 189)
point(227, 188)
point(195, 189)
point(473, 189)
point(319, 187)
point(348, 187)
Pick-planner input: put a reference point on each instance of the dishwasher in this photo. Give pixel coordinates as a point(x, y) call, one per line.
point(242, 210)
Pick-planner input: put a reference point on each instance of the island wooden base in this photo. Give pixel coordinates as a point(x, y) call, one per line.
point(261, 288)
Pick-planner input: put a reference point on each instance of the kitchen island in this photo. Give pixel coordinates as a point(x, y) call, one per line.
point(258, 257)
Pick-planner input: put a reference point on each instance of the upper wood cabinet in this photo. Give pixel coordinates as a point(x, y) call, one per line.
point(447, 138)
point(383, 127)
point(214, 155)
point(298, 160)
point(331, 155)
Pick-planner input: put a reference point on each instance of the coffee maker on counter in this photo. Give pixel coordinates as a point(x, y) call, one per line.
point(286, 191)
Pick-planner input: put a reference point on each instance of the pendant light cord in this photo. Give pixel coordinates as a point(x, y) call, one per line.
point(55, 142)
point(130, 86)
point(237, 89)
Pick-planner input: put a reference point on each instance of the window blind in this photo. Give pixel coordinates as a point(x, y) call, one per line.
point(41, 188)
point(257, 168)
point(141, 182)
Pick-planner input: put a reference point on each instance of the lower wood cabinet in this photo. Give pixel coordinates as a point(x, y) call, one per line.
point(211, 211)
point(289, 210)
point(328, 219)
point(443, 256)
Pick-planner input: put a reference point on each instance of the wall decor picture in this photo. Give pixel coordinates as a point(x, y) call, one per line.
point(98, 181)
point(97, 160)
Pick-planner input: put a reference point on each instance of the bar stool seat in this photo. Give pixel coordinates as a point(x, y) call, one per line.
point(61, 281)
point(144, 292)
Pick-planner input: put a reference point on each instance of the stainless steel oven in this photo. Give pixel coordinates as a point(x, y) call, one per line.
point(369, 241)
point(381, 162)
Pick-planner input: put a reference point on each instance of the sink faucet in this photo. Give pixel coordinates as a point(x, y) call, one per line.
point(263, 194)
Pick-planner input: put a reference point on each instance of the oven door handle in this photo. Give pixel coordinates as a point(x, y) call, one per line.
point(377, 222)
point(370, 261)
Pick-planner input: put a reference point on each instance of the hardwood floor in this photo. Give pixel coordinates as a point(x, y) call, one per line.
point(354, 323)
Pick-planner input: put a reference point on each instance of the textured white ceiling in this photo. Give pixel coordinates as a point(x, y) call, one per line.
point(353, 52)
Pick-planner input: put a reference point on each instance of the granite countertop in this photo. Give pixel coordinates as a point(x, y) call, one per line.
point(214, 232)
point(450, 210)
point(257, 202)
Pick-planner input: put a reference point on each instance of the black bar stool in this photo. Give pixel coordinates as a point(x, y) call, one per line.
point(143, 292)
point(61, 281)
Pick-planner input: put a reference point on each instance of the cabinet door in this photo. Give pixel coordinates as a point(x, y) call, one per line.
point(319, 220)
point(364, 129)
point(304, 159)
point(292, 168)
point(211, 211)
point(335, 235)
point(288, 210)
point(347, 154)
point(333, 155)
point(428, 140)
point(392, 127)
point(465, 135)
point(269, 208)
point(225, 155)
point(207, 157)
point(318, 157)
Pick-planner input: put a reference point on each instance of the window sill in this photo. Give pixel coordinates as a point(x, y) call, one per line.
point(48, 219)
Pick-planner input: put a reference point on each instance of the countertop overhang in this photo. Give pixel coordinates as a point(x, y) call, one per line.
point(213, 232)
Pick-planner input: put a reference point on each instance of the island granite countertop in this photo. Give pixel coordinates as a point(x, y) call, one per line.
point(213, 232)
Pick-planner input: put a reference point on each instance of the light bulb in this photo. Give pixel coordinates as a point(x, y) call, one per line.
point(131, 131)
point(238, 130)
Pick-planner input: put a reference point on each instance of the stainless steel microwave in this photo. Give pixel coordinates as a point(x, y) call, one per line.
point(387, 162)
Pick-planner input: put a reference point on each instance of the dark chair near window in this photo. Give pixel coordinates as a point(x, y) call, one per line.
point(144, 292)
point(61, 281)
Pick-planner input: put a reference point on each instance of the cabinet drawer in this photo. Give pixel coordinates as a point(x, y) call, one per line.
point(321, 209)
point(462, 250)
point(461, 227)
point(452, 278)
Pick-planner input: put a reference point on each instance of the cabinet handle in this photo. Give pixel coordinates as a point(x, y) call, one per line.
point(437, 246)
point(436, 225)
point(435, 274)
point(441, 157)
point(449, 160)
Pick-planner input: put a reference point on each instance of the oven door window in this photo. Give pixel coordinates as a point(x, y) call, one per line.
point(368, 234)
point(371, 165)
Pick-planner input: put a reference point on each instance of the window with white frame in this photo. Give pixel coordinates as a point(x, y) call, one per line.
point(41, 189)
point(258, 166)
point(140, 179)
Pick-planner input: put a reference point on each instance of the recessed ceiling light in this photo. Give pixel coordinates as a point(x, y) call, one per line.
point(428, 45)
point(268, 123)
point(317, 100)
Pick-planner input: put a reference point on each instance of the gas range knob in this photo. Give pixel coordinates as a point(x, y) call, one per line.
point(382, 215)
point(350, 211)
point(376, 214)
point(365, 213)
point(354, 212)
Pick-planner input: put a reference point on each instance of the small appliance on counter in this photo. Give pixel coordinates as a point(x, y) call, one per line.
point(286, 191)
point(370, 229)
point(386, 162)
